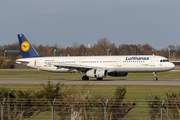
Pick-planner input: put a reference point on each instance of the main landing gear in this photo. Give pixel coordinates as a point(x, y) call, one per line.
point(99, 78)
point(85, 78)
point(155, 78)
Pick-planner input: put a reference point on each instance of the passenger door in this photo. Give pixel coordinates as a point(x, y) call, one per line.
point(152, 61)
point(118, 63)
point(79, 62)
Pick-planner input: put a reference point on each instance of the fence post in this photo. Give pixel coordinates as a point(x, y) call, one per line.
point(52, 104)
point(105, 105)
point(161, 105)
point(2, 104)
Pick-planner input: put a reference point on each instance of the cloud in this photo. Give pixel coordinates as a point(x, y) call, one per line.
point(51, 11)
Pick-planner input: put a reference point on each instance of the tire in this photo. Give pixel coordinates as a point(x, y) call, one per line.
point(99, 78)
point(155, 78)
point(85, 78)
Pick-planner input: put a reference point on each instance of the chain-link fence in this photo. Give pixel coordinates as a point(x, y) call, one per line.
point(44, 109)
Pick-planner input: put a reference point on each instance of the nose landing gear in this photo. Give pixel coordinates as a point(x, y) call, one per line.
point(155, 78)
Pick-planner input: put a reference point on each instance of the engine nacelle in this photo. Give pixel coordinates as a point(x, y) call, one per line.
point(118, 74)
point(97, 73)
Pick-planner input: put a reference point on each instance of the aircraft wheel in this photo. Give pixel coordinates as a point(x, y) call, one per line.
point(85, 78)
point(155, 78)
point(99, 78)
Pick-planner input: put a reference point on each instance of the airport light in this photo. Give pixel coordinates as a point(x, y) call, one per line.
point(11, 52)
point(170, 50)
point(57, 51)
point(109, 52)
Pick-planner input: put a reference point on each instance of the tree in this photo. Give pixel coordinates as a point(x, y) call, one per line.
point(82, 50)
point(75, 48)
point(101, 47)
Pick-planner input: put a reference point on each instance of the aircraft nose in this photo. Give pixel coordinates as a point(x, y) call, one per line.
point(172, 65)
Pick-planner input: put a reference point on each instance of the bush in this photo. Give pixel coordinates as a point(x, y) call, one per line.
point(71, 101)
point(51, 91)
point(120, 93)
point(117, 108)
point(7, 64)
point(171, 107)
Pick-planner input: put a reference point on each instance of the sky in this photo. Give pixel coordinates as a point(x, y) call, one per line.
point(47, 22)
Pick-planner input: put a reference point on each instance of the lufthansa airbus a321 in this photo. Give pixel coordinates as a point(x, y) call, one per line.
point(93, 66)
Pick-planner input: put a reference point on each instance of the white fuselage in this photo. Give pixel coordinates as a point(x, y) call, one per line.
point(132, 63)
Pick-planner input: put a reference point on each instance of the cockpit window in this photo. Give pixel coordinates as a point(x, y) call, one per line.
point(164, 60)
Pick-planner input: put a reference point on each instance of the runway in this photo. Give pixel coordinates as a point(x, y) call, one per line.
point(92, 82)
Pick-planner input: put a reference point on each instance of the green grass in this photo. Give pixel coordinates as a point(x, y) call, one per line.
point(33, 73)
point(133, 92)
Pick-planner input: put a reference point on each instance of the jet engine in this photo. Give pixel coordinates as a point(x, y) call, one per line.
point(97, 73)
point(118, 74)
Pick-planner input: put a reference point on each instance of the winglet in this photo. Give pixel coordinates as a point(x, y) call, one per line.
point(27, 49)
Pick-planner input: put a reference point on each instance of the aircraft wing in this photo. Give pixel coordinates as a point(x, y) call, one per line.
point(80, 68)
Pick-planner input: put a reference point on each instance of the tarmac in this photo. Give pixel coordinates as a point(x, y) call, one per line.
point(92, 82)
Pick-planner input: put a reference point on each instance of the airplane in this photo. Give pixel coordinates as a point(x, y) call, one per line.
point(93, 66)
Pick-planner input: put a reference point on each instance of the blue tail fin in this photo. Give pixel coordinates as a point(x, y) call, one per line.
point(27, 49)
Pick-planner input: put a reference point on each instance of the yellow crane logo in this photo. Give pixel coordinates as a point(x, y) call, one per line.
point(25, 46)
